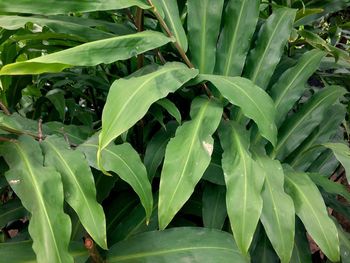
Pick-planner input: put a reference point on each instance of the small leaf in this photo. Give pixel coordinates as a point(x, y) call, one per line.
point(301, 251)
point(244, 180)
point(171, 108)
point(185, 244)
point(342, 153)
point(186, 158)
point(310, 208)
point(10, 211)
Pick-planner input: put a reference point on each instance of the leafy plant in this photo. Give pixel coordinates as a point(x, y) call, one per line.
point(208, 114)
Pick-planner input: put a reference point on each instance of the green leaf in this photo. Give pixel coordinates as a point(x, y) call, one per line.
point(171, 108)
point(183, 244)
point(244, 180)
point(173, 21)
point(90, 54)
point(78, 185)
point(56, 96)
point(53, 7)
point(120, 113)
point(11, 210)
point(124, 161)
point(344, 238)
point(342, 153)
point(214, 206)
point(41, 192)
point(254, 102)
point(239, 23)
point(203, 23)
point(291, 85)
point(310, 208)
point(278, 213)
point(298, 127)
point(186, 158)
point(273, 36)
point(301, 251)
point(263, 252)
point(21, 252)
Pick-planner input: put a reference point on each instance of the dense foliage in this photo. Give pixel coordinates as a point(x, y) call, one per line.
point(174, 131)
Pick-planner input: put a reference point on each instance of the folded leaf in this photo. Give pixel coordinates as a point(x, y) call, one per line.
point(254, 102)
point(52, 7)
point(120, 113)
point(186, 158)
point(239, 22)
point(310, 208)
point(203, 23)
point(244, 180)
point(90, 54)
point(78, 185)
point(41, 192)
point(185, 244)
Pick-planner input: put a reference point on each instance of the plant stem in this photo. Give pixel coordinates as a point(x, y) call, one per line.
point(139, 24)
point(4, 109)
point(93, 252)
point(4, 139)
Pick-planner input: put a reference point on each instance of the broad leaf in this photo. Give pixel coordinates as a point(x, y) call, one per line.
point(203, 23)
point(239, 23)
point(78, 184)
point(90, 54)
point(310, 208)
point(214, 206)
point(120, 113)
point(278, 213)
point(342, 153)
point(244, 180)
point(186, 158)
point(126, 163)
point(273, 36)
point(53, 7)
point(254, 102)
point(41, 192)
point(183, 244)
point(170, 11)
point(296, 128)
point(291, 85)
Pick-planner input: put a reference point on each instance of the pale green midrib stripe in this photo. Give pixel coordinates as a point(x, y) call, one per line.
point(304, 116)
point(162, 252)
point(37, 190)
point(87, 203)
point(290, 85)
point(312, 210)
point(129, 168)
point(262, 58)
point(197, 126)
point(233, 41)
point(121, 111)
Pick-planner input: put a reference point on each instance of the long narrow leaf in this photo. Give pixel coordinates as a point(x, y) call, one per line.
point(342, 153)
point(186, 158)
point(41, 192)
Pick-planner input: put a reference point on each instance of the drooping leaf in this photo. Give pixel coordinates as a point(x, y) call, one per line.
point(291, 85)
point(183, 244)
point(171, 108)
point(239, 23)
point(203, 23)
point(22, 252)
point(11, 210)
point(170, 11)
point(119, 113)
point(90, 54)
point(273, 36)
point(41, 192)
point(126, 163)
point(186, 158)
point(56, 96)
point(310, 208)
point(342, 153)
point(78, 185)
point(253, 101)
point(214, 206)
point(325, 164)
point(53, 7)
point(296, 128)
point(244, 180)
point(278, 212)
point(263, 251)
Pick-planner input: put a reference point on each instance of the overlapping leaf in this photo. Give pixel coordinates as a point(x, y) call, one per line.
point(41, 192)
point(244, 181)
point(90, 54)
point(342, 153)
point(79, 186)
point(186, 158)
